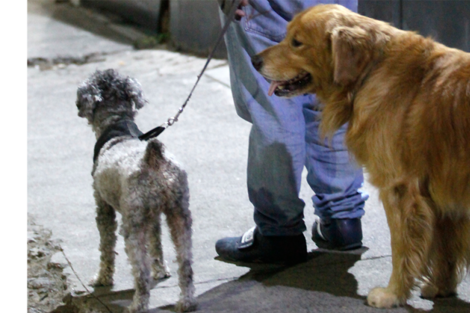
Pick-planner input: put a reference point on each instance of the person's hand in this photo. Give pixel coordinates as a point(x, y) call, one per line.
point(226, 5)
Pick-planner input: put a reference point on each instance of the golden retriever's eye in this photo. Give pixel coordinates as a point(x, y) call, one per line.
point(296, 43)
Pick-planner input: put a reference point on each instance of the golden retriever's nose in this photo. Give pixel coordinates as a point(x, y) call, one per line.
point(257, 62)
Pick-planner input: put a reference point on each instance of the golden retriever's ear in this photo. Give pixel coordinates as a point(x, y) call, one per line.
point(352, 49)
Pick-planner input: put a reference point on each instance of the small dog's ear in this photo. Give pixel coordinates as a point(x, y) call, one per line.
point(87, 98)
point(353, 49)
point(134, 92)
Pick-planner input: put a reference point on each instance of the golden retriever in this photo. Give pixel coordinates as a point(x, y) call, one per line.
point(407, 101)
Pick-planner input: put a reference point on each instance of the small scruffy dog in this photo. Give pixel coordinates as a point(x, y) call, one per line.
point(139, 180)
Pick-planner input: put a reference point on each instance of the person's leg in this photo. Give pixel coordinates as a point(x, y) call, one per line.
point(276, 145)
point(336, 180)
point(277, 139)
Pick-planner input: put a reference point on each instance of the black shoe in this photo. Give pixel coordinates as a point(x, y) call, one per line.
point(338, 234)
point(253, 247)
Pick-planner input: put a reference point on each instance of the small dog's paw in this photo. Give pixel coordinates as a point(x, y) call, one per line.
point(383, 298)
point(186, 305)
point(160, 274)
point(131, 309)
point(158, 277)
point(160, 270)
point(136, 307)
point(99, 281)
point(140, 303)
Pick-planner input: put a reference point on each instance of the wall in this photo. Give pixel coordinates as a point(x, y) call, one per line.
point(447, 21)
point(195, 24)
point(143, 12)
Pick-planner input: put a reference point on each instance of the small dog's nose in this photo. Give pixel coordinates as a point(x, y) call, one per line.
point(257, 62)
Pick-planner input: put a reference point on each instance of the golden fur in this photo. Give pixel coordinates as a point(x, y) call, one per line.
point(407, 101)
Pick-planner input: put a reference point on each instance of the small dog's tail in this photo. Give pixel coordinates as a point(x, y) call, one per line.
point(154, 154)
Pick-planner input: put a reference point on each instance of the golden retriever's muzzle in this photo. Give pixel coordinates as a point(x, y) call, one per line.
point(282, 87)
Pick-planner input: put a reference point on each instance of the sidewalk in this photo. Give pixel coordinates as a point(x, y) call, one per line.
point(212, 142)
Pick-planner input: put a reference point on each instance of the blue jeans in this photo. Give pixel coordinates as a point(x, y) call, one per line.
point(285, 132)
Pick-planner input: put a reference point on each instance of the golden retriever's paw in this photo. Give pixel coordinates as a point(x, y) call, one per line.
point(429, 291)
point(383, 298)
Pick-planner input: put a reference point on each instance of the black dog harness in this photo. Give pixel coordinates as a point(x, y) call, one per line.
point(119, 129)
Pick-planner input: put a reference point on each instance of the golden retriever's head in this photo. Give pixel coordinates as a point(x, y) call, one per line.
point(325, 46)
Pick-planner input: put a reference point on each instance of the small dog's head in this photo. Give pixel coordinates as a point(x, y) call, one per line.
point(107, 97)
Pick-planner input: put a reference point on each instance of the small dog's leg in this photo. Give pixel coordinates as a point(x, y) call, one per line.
point(106, 222)
point(179, 222)
point(159, 268)
point(411, 233)
point(136, 239)
point(447, 259)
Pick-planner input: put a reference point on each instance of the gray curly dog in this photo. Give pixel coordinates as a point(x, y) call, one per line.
point(140, 181)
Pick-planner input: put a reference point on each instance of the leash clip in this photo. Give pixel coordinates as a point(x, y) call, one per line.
point(171, 121)
point(154, 132)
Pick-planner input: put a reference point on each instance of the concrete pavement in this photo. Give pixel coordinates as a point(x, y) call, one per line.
point(211, 141)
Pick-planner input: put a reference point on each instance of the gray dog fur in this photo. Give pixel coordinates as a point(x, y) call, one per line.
point(140, 181)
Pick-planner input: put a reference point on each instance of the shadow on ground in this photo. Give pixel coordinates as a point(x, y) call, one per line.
point(453, 304)
point(322, 284)
point(306, 287)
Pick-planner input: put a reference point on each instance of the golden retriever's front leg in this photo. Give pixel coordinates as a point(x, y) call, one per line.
point(410, 221)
